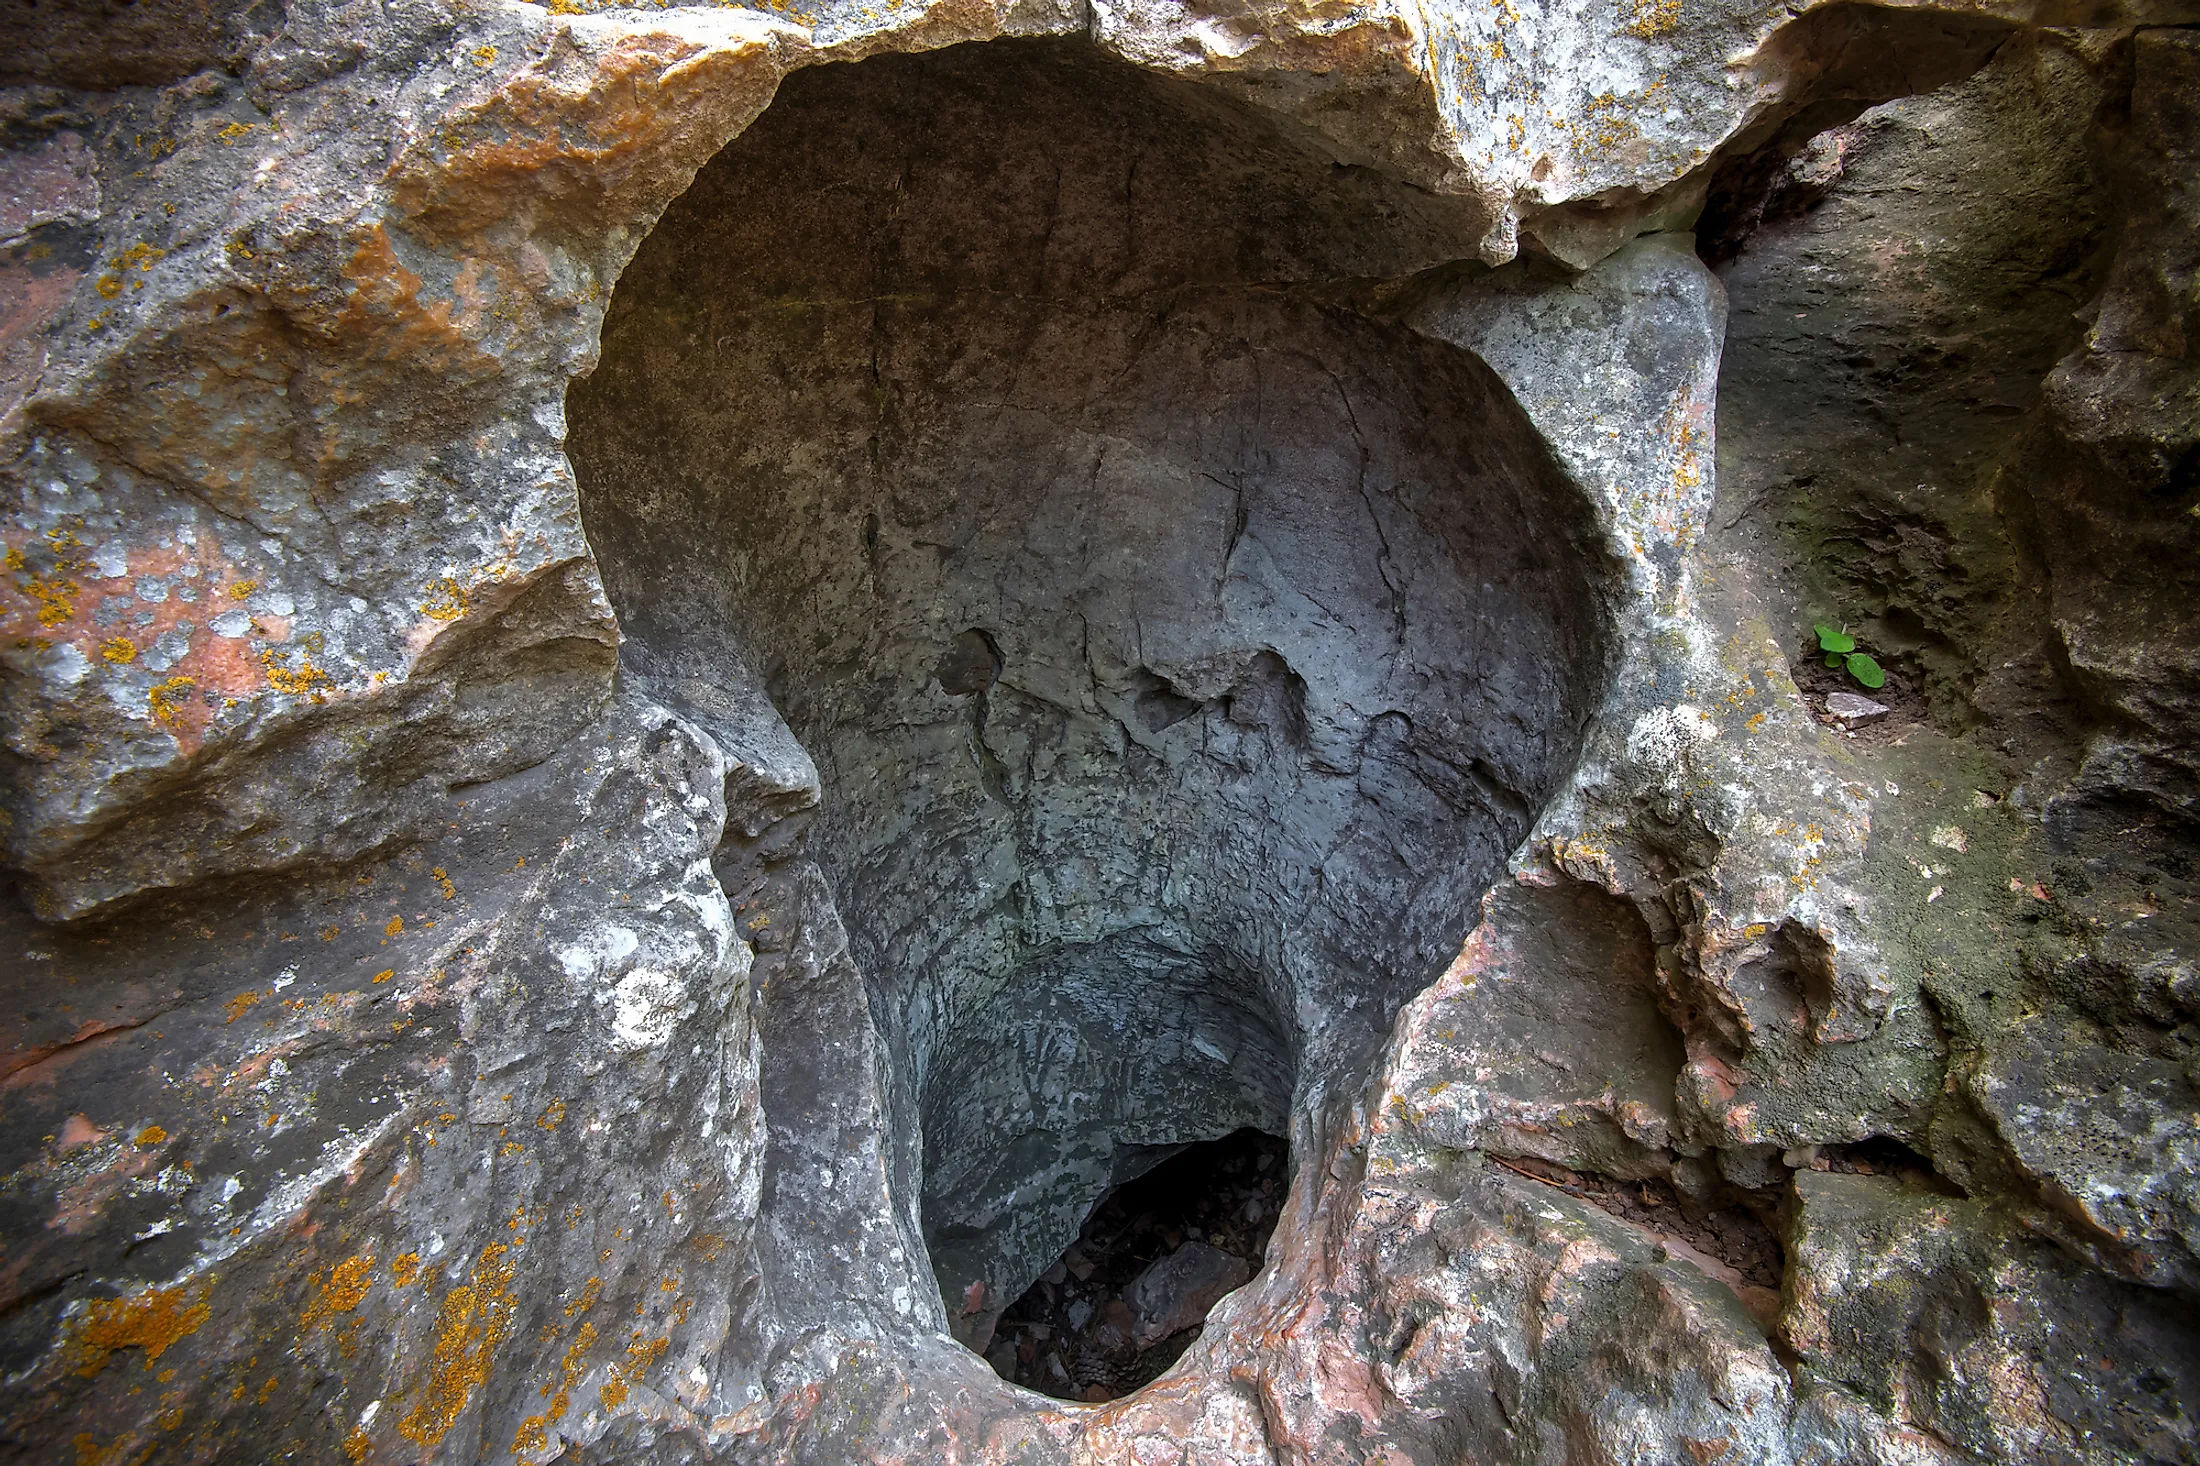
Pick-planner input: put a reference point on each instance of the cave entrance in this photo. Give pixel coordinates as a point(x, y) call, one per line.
point(1133, 1291)
point(1181, 647)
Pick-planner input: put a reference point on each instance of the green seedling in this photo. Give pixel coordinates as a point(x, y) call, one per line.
point(1840, 650)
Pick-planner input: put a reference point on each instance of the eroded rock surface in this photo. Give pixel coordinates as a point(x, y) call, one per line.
point(675, 677)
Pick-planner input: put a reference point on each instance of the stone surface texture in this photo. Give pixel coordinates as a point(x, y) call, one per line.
point(674, 676)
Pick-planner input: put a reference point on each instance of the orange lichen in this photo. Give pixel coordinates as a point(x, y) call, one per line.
point(55, 587)
point(385, 975)
point(395, 927)
point(404, 1268)
point(151, 1135)
point(473, 1324)
point(303, 680)
point(1649, 19)
point(552, 1117)
point(239, 1004)
point(242, 589)
point(641, 1353)
point(446, 600)
point(89, 1452)
point(356, 1446)
point(589, 1294)
point(443, 879)
point(576, 1358)
point(347, 1286)
point(153, 1321)
point(170, 700)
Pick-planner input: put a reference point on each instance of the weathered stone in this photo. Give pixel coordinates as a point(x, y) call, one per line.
point(1850, 708)
point(1180, 1290)
point(1158, 570)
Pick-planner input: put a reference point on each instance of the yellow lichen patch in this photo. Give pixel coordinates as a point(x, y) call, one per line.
point(119, 649)
point(356, 1446)
point(151, 1135)
point(640, 1355)
point(576, 1358)
point(89, 1452)
point(530, 1435)
point(347, 1285)
point(153, 1321)
point(243, 589)
point(385, 975)
point(474, 1322)
point(396, 927)
point(485, 55)
point(55, 594)
point(446, 600)
point(589, 1294)
point(1649, 19)
point(552, 1117)
point(404, 1268)
point(304, 679)
point(267, 1390)
point(239, 1003)
point(443, 879)
point(169, 699)
point(229, 136)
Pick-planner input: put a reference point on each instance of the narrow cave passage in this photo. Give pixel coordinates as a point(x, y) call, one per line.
point(1132, 1292)
point(1180, 651)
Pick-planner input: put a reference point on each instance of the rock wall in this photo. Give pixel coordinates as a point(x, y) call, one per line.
point(673, 676)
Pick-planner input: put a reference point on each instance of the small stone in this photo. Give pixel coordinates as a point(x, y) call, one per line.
point(1850, 708)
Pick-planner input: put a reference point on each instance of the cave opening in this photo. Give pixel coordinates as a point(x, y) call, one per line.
point(1133, 1291)
point(1180, 645)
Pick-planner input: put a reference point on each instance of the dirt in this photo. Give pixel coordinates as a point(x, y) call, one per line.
point(1906, 712)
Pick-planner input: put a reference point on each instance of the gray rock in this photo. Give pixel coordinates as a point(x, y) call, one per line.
point(1176, 1292)
point(1852, 708)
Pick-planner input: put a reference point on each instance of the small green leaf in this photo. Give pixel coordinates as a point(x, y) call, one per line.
point(1866, 671)
point(1830, 640)
point(1833, 660)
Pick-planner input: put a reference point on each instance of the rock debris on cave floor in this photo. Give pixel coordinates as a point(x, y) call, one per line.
point(1131, 1293)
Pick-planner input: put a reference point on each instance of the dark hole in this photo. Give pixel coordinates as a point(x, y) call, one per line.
point(1883, 1155)
point(1133, 1291)
point(972, 663)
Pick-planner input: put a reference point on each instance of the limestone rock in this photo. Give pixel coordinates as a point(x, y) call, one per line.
point(675, 677)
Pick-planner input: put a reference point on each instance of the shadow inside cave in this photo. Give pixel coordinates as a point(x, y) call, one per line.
point(1180, 651)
